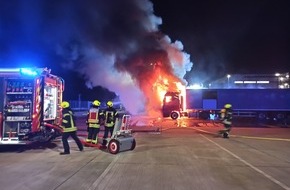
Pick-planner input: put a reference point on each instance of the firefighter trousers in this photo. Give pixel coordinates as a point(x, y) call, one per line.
point(93, 133)
point(228, 127)
point(106, 134)
point(65, 137)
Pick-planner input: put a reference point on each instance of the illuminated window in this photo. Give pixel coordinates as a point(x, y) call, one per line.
point(249, 82)
point(168, 99)
point(263, 82)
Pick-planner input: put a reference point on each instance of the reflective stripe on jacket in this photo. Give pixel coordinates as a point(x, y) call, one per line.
point(68, 123)
point(228, 116)
point(227, 122)
point(94, 116)
point(94, 125)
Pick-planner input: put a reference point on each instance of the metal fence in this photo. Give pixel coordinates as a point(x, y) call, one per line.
point(80, 105)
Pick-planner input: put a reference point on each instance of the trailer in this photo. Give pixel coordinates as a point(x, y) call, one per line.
point(29, 105)
point(262, 104)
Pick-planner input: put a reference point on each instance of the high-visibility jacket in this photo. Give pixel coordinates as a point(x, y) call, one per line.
point(228, 117)
point(110, 116)
point(222, 114)
point(94, 116)
point(68, 121)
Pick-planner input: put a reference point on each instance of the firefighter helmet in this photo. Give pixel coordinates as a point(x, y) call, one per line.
point(228, 106)
point(110, 104)
point(64, 104)
point(96, 103)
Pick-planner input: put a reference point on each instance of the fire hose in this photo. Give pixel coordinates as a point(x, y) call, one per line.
point(53, 127)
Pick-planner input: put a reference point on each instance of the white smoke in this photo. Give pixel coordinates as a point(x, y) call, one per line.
point(99, 70)
point(180, 60)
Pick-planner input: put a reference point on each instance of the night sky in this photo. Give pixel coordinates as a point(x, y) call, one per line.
point(230, 36)
point(221, 37)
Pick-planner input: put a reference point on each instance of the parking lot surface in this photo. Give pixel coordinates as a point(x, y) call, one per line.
point(170, 154)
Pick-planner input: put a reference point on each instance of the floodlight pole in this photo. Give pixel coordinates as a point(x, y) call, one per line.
point(228, 76)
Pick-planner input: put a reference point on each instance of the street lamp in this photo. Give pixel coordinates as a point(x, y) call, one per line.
point(278, 81)
point(281, 82)
point(228, 76)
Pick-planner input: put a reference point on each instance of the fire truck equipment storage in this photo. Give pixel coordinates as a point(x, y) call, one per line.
point(29, 105)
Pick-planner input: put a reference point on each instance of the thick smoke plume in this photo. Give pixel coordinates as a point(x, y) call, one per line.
point(115, 44)
point(118, 45)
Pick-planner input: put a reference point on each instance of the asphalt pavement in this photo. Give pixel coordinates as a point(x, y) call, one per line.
point(170, 154)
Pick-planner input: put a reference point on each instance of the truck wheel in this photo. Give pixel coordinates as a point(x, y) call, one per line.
point(114, 146)
point(133, 145)
point(174, 115)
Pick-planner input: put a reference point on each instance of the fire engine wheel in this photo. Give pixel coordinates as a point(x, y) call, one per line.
point(174, 115)
point(133, 145)
point(114, 146)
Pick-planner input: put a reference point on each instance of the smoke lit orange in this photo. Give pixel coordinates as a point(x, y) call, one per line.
point(159, 82)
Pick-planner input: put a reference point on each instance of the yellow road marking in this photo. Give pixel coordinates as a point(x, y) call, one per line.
point(247, 137)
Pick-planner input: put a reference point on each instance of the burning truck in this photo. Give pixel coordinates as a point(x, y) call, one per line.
point(29, 105)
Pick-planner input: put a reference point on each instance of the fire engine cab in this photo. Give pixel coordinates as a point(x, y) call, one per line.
point(29, 105)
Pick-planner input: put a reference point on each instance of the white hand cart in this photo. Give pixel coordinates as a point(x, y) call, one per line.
point(122, 138)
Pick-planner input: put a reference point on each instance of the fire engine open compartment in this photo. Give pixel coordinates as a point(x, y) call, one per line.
point(29, 105)
point(50, 102)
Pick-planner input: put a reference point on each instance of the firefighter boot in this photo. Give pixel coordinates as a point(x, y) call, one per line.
point(226, 135)
point(88, 140)
point(63, 153)
point(94, 141)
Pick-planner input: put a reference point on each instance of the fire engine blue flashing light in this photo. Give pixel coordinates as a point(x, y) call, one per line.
point(9, 70)
point(29, 72)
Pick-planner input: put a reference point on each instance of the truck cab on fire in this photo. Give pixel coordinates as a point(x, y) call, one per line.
point(172, 105)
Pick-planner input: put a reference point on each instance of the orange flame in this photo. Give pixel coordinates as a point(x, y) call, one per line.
point(159, 83)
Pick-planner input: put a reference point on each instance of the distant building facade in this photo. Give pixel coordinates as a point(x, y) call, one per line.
point(278, 80)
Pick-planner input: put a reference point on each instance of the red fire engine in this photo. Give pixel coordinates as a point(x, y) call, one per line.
point(29, 105)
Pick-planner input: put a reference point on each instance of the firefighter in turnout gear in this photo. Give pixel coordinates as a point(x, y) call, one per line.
point(94, 119)
point(226, 118)
point(110, 117)
point(69, 128)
